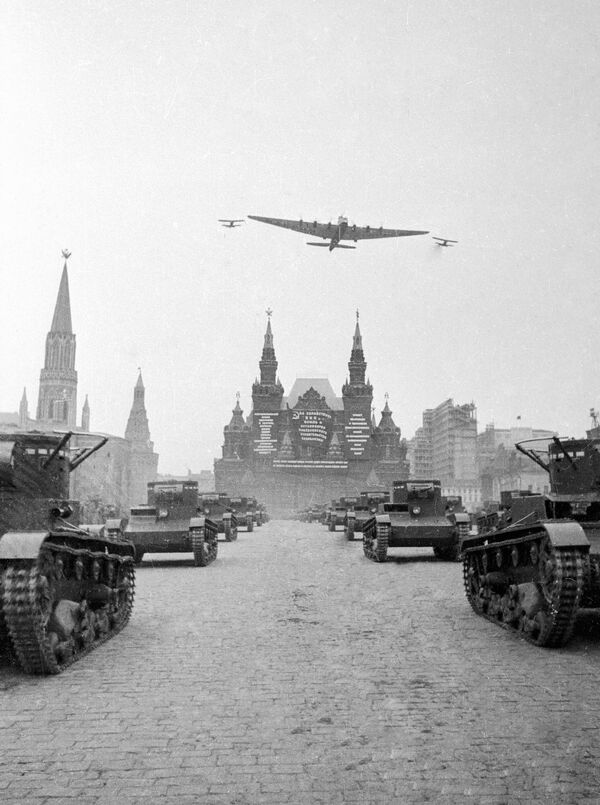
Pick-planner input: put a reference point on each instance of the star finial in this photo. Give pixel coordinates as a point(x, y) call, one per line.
point(66, 254)
point(269, 312)
point(387, 396)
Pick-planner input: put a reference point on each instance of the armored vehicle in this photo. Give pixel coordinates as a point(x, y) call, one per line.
point(216, 506)
point(418, 516)
point(243, 508)
point(171, 523)
point(536, 561)
point(365, 507)
point(339, 511)
point(64, 589)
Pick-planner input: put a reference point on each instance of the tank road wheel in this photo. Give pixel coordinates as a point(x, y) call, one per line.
point(474, 589)
point(375, 542)
point(551, 616)
point(28, 599)
point(125, 593)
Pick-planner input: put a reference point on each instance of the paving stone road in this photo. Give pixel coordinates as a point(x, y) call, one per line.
point(293, 670)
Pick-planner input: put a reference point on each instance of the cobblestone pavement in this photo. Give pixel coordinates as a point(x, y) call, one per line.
point(294, 670)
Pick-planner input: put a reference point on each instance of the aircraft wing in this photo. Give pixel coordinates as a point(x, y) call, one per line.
point(308, 227)
point(365, 232)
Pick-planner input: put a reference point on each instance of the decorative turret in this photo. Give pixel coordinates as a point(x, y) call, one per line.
point(386, 423)
point(23, 411)
point(236, 441)
point(358, 397)
point(143, 462)
point(390, 449)
point(268, 391)
point(57, 399)
point(137, 430)
point(85, 415)
point(355, 385)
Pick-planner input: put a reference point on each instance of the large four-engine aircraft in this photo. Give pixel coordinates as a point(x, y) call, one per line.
point(336, 232)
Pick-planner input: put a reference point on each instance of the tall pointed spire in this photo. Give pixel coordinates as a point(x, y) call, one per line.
point(57, 400)
point(85, 415)
point(23, 410)
point(61, 321)
point(267, 392)
point(357, 364)
point(137, 429)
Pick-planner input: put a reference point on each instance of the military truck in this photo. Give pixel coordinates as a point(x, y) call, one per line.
point(170, 522)
point(365, 507)
point(536, 561)
point(217, 507)
point(64, 589)
point(417, 516)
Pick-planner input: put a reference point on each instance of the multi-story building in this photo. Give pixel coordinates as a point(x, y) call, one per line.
point(310, 446)
point(502, 467)
point(445, 448)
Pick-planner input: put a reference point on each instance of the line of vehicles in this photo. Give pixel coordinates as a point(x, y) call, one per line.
point(529, 566)
point(66, 587)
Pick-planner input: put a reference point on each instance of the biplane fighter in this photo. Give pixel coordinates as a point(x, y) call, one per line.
point(230, 223)
point(334, 233)
point(443, 241)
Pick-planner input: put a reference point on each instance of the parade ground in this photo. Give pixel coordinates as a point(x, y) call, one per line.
point(293, 670)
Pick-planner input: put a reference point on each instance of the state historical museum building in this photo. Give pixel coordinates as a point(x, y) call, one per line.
point(310, 446)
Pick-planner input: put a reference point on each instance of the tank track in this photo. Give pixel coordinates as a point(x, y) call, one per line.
point(527, 586)
point(375, 541)
point(63, 604)
point(205, 547)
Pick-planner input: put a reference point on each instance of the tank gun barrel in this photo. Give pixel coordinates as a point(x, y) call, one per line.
point(57, 449)
point(87, 452)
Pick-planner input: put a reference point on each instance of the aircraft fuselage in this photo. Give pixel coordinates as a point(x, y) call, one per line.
point(341, 227)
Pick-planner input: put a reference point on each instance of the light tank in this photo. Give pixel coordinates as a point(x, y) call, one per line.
point(216, 506)
point(536, 561)
point(365, 507)
point(245, 511)
point(171, 522)
point(418, 516)
point(339, 511)
point(65, 589)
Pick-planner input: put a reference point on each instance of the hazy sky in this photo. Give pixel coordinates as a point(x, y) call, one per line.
point(128, 128)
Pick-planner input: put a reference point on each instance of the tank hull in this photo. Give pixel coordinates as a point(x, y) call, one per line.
point(533, 580)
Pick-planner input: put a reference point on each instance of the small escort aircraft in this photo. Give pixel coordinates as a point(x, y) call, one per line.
point(334, 233)
point(443, 241)
point(230, 223)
